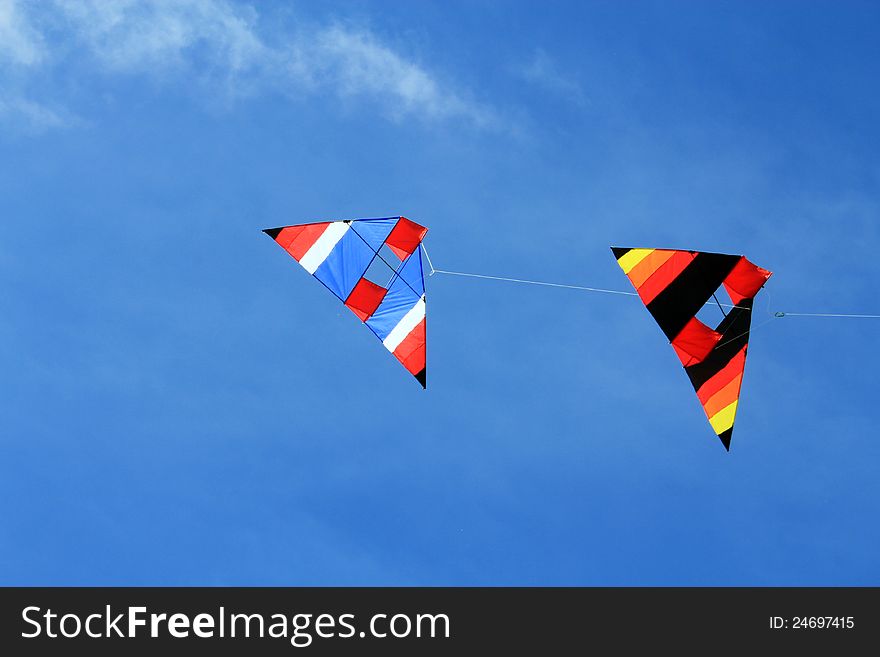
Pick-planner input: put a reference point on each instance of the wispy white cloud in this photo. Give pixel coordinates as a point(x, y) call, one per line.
point(221, 43)
point(20, 43)
point(544, 72)
point(357, 64)
point(22, 50)
point(31, 116)
point(134, 36)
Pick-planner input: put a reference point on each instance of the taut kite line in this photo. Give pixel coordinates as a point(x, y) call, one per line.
point(340, 253)
point(674, 285)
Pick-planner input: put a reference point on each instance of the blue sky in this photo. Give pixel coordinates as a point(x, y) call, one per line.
point(183, 405)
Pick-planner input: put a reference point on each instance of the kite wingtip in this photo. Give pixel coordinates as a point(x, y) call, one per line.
point(422, 378)
point(272, 232)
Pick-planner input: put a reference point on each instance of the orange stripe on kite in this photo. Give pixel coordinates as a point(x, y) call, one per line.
point(725, 375)
point(664, 275)
point(724, 397)
point(648, 265)
point(631, 258)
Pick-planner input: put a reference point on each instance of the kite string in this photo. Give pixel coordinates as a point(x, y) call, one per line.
point(520, 280)
point(531, 282)
point(776, 315)
point(751, 330)
point(528, 282)
point(851, 316)
point(430, 264)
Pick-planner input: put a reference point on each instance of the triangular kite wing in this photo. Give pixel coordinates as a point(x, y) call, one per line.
point(340, 253)
point(674, 286)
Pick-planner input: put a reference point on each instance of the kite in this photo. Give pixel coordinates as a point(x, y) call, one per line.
point(354, 259)
point(674, 286)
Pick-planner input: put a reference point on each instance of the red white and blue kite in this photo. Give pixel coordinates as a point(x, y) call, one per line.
point(354, 259)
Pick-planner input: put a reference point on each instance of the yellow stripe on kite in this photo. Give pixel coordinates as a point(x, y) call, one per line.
point(723, 419)
point(633, 257)
point(720, 400)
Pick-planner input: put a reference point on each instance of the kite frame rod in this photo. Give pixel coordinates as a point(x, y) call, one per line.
point(396, 270)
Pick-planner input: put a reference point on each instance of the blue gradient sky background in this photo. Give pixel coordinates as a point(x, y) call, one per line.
point(182, 405)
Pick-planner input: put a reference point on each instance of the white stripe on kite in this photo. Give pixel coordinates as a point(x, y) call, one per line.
point(405, 326)
point(322, 247)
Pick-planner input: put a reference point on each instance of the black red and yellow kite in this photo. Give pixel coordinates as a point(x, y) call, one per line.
point(674, 286)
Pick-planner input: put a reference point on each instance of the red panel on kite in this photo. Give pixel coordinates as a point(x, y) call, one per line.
point(365, 298)
point(411, 352)
point(695, 342)
point(297, 240)
point(745, 280)
point(674, 286)
point(405, 238)
point(658, 270)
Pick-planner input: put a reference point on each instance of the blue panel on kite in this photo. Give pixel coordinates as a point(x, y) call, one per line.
point(345, 264)
point(374, 231)
point(412, 273)
point(405, 291)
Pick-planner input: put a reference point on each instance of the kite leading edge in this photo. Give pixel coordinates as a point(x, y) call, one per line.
point(674, 286)
point(340, 253)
